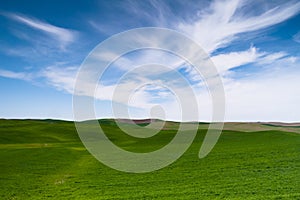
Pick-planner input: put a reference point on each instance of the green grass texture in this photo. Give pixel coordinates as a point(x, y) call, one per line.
point(45, 159)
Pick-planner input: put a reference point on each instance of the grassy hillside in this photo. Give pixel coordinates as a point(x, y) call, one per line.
point(45, 159)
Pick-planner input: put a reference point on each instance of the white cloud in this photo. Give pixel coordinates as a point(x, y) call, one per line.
point(224, 62)
point(62, 78)
point(227, 61)
point(274, 98)
point(270, 58)
point(63, 35)
point(15, 75)
point(138, 58)
point(216, 27)
point(273, 95)
point(219, 25)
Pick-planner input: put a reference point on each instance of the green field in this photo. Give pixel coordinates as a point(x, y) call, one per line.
point(43, 159)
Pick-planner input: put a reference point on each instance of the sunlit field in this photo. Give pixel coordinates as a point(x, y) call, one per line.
point(45, 158)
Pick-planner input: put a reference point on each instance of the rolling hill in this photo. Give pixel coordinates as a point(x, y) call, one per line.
point(43, 159)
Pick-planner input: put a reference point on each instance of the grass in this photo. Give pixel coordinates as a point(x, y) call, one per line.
point(43, 159)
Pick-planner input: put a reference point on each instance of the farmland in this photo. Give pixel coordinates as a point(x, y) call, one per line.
point(45, 159)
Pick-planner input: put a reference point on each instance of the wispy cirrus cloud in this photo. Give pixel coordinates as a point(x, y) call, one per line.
point(63, 36)
point(221, 23)
point(231, 60)
point(227, 61)
point(16, 75)
point(60, 77)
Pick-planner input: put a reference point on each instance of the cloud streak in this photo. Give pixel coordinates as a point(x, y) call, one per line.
point(15, 75)
point(224, 62)
point(221, 23)
point(62, 35)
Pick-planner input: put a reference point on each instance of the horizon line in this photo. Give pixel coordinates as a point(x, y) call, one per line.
point(166, 120)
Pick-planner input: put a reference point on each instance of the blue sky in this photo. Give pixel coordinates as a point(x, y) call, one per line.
point(253, 44)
